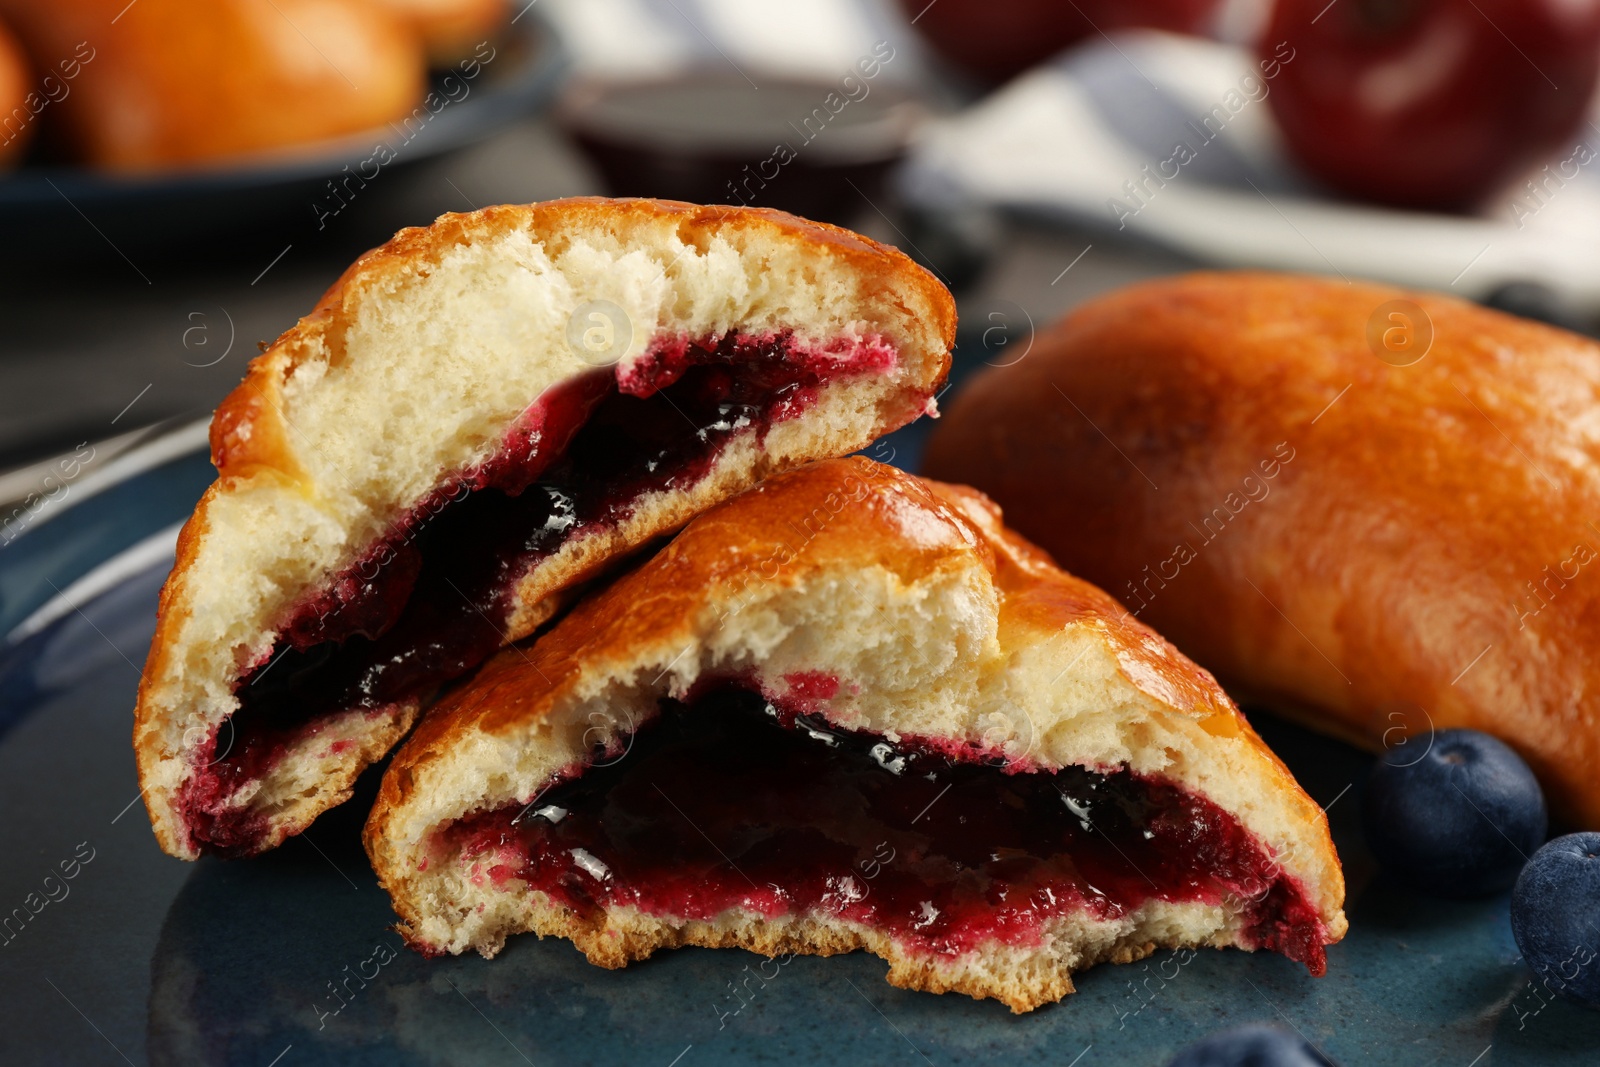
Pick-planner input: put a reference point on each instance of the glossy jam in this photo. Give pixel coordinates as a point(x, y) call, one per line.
point(734, 803)
point(430, 600)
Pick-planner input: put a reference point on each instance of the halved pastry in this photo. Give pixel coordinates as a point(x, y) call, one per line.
point(849, 710)
point(476, 416)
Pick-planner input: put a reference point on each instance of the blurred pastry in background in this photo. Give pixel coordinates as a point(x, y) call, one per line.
point(16, 109)
point(449, 28)
point(177, 82)
point(1365, 507)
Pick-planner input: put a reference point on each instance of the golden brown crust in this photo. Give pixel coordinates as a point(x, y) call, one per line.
point(175, 82)
point(1377, 580)
point(917, 530)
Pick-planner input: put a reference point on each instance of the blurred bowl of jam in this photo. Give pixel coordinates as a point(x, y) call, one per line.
point(819, 149)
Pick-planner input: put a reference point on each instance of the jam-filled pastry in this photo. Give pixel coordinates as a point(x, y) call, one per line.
point(475, 417)
point(1374, 510)
point(849, 710)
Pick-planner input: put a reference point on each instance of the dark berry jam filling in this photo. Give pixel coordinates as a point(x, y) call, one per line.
point(733, 802)
point(432, 599)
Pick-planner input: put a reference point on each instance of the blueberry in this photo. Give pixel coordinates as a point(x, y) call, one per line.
point(1553, 916)
point(1459, 819)
point(1252, 1046)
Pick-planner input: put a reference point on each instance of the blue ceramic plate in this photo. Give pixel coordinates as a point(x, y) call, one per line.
point(288, 959)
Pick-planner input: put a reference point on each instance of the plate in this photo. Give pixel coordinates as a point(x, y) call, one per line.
point(288, 959)
point(521, 72)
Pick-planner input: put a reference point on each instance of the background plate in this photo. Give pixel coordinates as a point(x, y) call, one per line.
point(143, 959)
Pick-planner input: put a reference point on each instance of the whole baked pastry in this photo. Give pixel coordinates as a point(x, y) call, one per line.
point(1373, 509)
point(475, 417)
point(186, 82)
point(849, 710)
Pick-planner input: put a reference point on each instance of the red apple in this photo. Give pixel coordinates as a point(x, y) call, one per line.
point(995, 39)
point(1431, 103)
